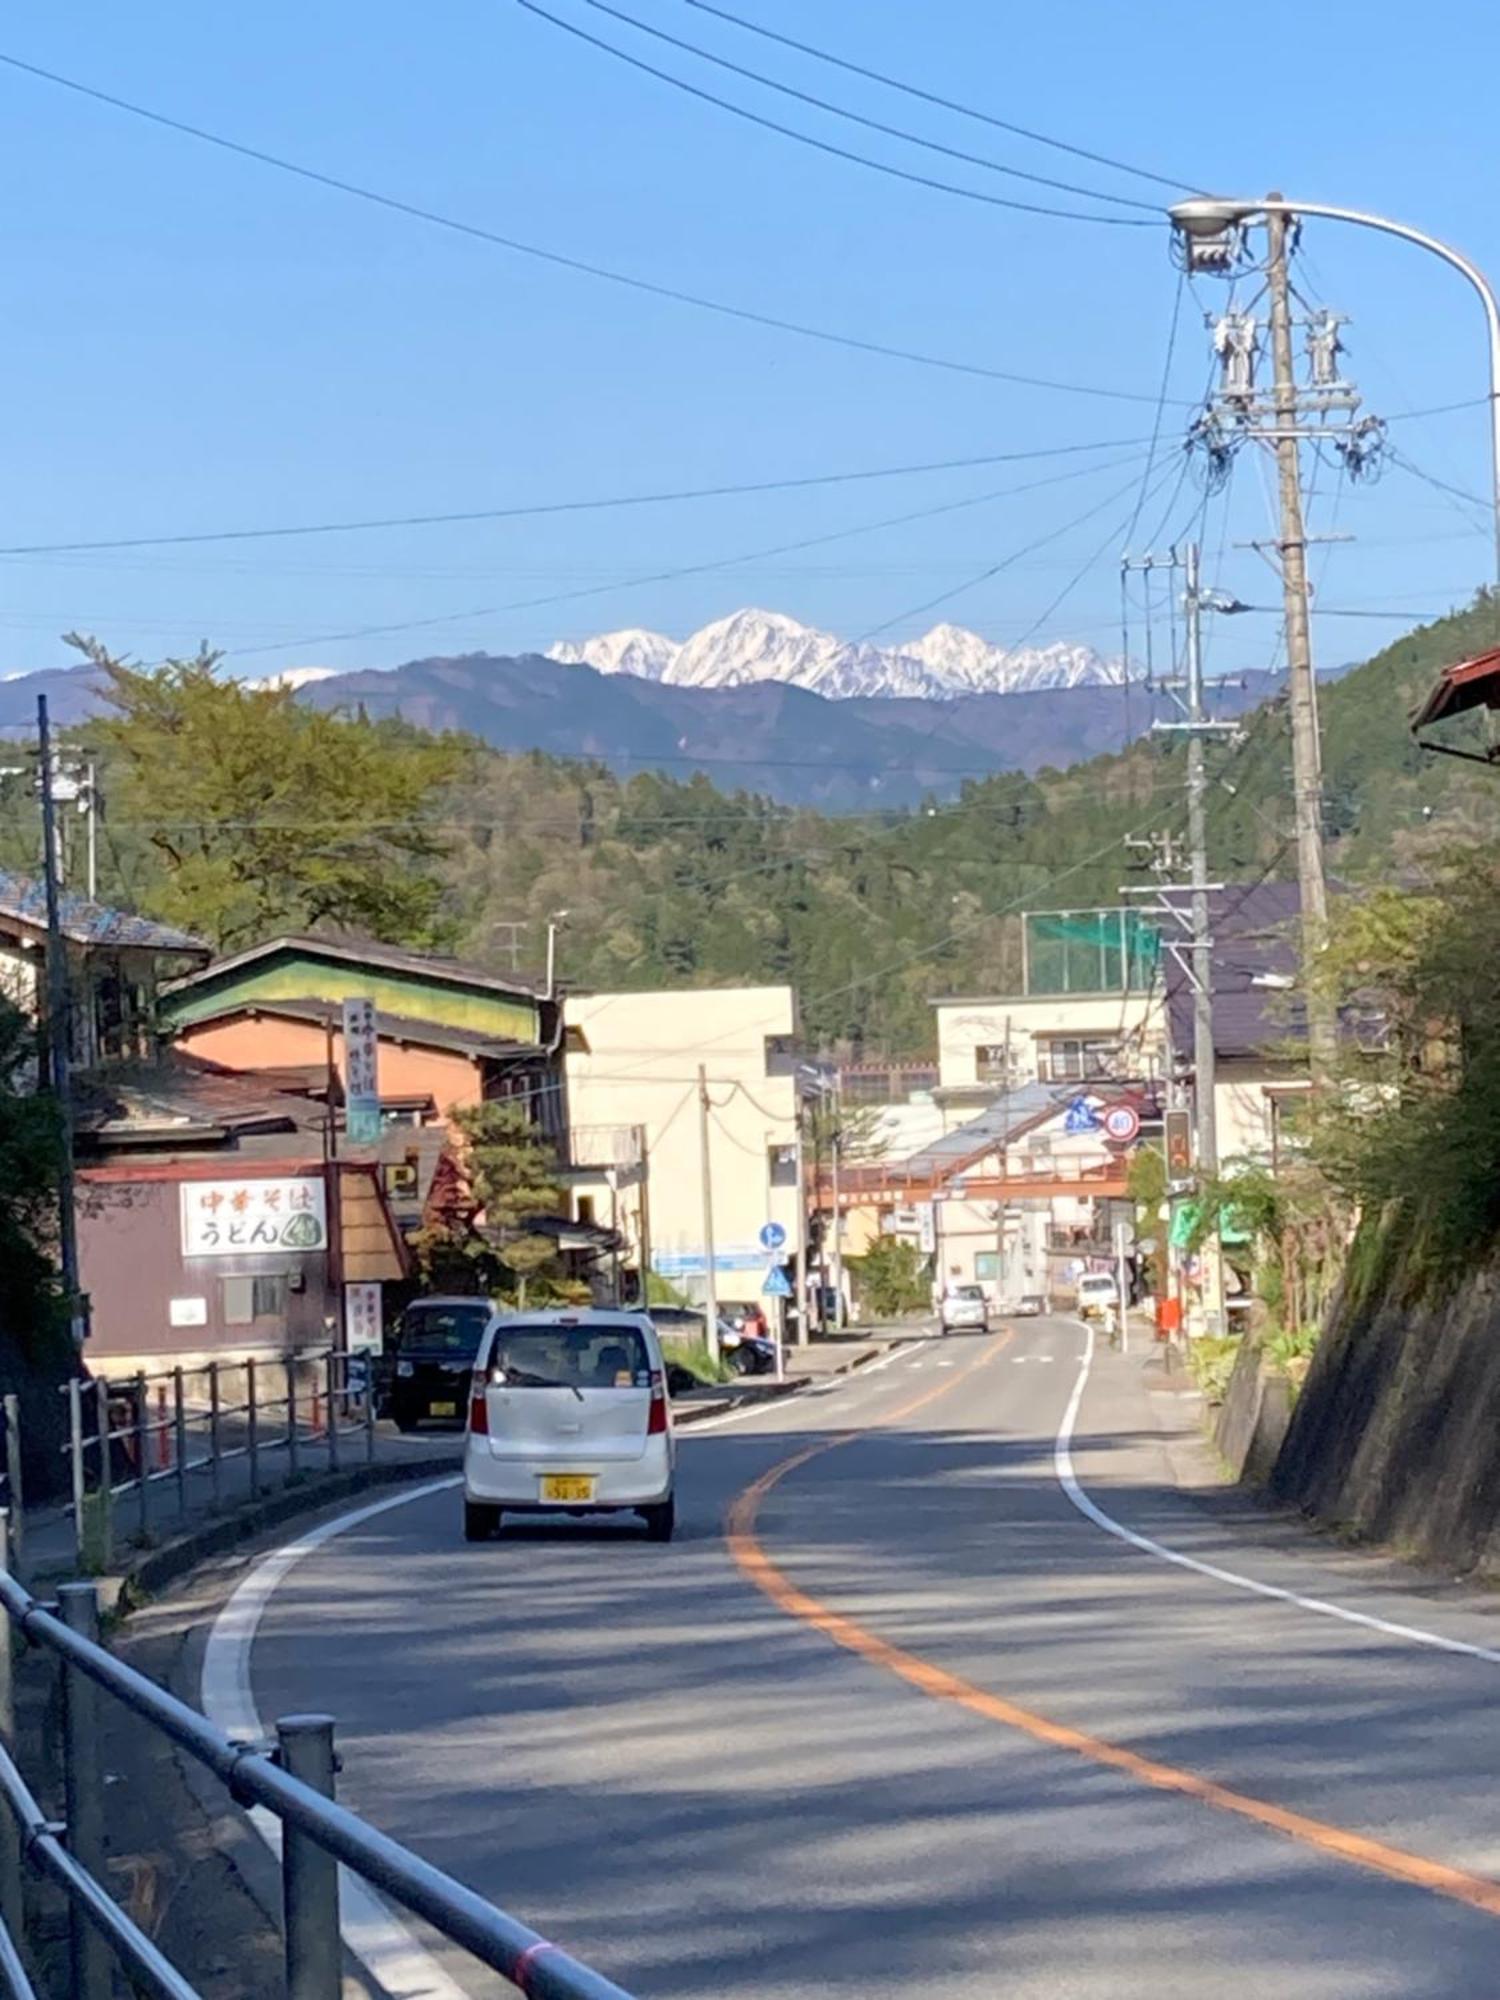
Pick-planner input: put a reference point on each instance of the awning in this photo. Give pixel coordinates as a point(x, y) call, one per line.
point(1470, 684)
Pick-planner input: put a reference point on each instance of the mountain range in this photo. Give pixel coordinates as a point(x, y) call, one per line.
point(757, 701)
point(945, 663)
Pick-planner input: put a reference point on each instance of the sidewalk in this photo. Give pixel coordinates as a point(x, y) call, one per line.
point(50, 1545)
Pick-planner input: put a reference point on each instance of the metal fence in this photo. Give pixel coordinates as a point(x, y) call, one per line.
point(294, 1779)
point(157, 1447)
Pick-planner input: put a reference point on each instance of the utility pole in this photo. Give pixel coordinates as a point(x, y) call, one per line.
point(838, 1207)
point(705, 1167)
point(59, 1037)
point(804, 1304)
point(1206, 1121)
point(1302, 693)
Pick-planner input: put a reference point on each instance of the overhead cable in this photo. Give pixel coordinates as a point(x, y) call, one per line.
point(826, 145)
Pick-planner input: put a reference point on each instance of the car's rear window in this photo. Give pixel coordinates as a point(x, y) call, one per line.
point(969, 1292)
point(445, 1329)
point(570, 1357)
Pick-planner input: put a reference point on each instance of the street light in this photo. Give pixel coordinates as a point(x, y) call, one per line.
point(1212, 229)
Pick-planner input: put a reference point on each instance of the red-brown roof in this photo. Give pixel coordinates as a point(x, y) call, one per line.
point(1470, 684)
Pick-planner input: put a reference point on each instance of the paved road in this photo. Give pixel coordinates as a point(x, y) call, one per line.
point(979, 1749)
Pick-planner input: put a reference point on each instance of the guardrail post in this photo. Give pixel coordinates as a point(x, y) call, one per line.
point(309, 1876)
point(179, 1431)
point(83, 1784)
point(291, 1416)
point(15, 1498)
point(142, 1454)
point(252, 1429)
point(105, 1497)
point(333, 1410)
point(12, 1904)
point(75, 1443)
point(216, 1470)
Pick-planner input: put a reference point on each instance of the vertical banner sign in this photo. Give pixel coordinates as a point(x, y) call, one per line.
point(361, 1073)
point(926, 1228)
point(364, 1325)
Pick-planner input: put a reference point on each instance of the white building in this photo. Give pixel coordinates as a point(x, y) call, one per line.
point(633, 1063)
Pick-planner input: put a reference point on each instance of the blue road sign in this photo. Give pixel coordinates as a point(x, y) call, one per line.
point(1081, 1117)
point(772, 1236)
point(776, 1286)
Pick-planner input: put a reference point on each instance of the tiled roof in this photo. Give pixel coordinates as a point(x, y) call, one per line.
point(1255, 957)
point(23, 898)
point(365, 952)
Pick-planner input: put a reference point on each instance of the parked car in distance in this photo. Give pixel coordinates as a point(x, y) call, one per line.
point(1098, 1294)
point(1030, 1305)
point(568, 1413)
point(436, 1343)
point(964, 1308)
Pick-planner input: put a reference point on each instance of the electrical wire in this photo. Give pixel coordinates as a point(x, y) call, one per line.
point(992, 569)
point(931, 97)
point(1161, 404)
point(663, 576)
point(826, 145)
point(416, 212)
point(870, 124)
point(538, 509)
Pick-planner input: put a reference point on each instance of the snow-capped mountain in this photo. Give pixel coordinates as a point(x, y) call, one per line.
point(294, 677)
point(768, 646)
point(647, 655)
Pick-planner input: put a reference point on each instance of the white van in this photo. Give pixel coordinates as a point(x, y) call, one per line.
point(1098, 1293)
point(568, 1413)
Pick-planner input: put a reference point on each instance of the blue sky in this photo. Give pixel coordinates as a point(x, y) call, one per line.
point(197, 342)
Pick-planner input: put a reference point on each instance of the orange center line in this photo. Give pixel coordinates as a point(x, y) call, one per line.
point(1477, 1891)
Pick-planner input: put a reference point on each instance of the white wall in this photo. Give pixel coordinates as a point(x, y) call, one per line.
point(966, 1025)
point(637, 1064)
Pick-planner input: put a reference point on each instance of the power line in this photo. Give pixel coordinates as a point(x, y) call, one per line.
point(995, 568)
point(658, 576)
point(1161, 403)
point(932, 97)
point(870, 124)
point(414, 211)
point(541, 508)
point(824, 145)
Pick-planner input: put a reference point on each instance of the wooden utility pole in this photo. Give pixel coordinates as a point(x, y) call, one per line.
point(1302, 693)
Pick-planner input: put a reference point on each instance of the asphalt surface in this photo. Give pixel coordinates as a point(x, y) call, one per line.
point(705, 1794)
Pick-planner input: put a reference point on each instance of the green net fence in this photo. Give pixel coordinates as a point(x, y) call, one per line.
point(1090, 951)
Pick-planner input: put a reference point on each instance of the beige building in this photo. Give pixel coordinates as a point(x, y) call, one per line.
point(988, 1045)
point(632, 1063)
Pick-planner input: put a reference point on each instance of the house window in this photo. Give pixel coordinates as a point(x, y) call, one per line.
point(1076, 1058)
point(586, 1210)
point(249, 1299)
point(992, 1063)
point(781, 1166)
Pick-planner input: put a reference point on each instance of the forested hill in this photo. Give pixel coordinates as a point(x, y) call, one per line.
point(238, 813)
point(872, 917)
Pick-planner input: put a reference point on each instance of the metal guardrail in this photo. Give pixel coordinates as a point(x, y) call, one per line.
point(160, 1435)
point(294, 1780)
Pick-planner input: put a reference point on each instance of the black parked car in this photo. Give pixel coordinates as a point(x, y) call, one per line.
point(436, 1343)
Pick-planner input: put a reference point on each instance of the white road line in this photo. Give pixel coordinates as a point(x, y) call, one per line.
point(1062, 1463)
point(390, 1951)
point(830, 1388)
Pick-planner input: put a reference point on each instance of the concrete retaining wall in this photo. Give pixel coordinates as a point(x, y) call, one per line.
point(1253, 1418)
point(1396, 1435)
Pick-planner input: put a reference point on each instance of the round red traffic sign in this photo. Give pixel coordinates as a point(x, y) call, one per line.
point(1122, 1122)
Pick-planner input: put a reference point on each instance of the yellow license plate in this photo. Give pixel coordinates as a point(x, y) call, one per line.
point(444, 1409)
point(567, 1486)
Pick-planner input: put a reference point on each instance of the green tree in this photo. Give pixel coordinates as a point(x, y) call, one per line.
point(487, 1236)
point(262, 814)
point(893, 1276)
point(32, 1309)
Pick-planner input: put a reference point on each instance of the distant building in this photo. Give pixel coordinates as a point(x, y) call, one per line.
point(117, 963)
point(632, 1068)
point(1091, 1011)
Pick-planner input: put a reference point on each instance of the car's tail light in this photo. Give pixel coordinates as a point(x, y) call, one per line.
point(479, 1407)
point(656, 1422)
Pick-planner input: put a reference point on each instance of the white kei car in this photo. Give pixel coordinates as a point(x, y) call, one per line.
point(568, 1413)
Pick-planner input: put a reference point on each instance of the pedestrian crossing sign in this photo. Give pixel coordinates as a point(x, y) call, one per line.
point(776, 1286)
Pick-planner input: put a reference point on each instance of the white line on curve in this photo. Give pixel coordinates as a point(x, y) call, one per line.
point(1062, 1463)
point(384, 1944)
